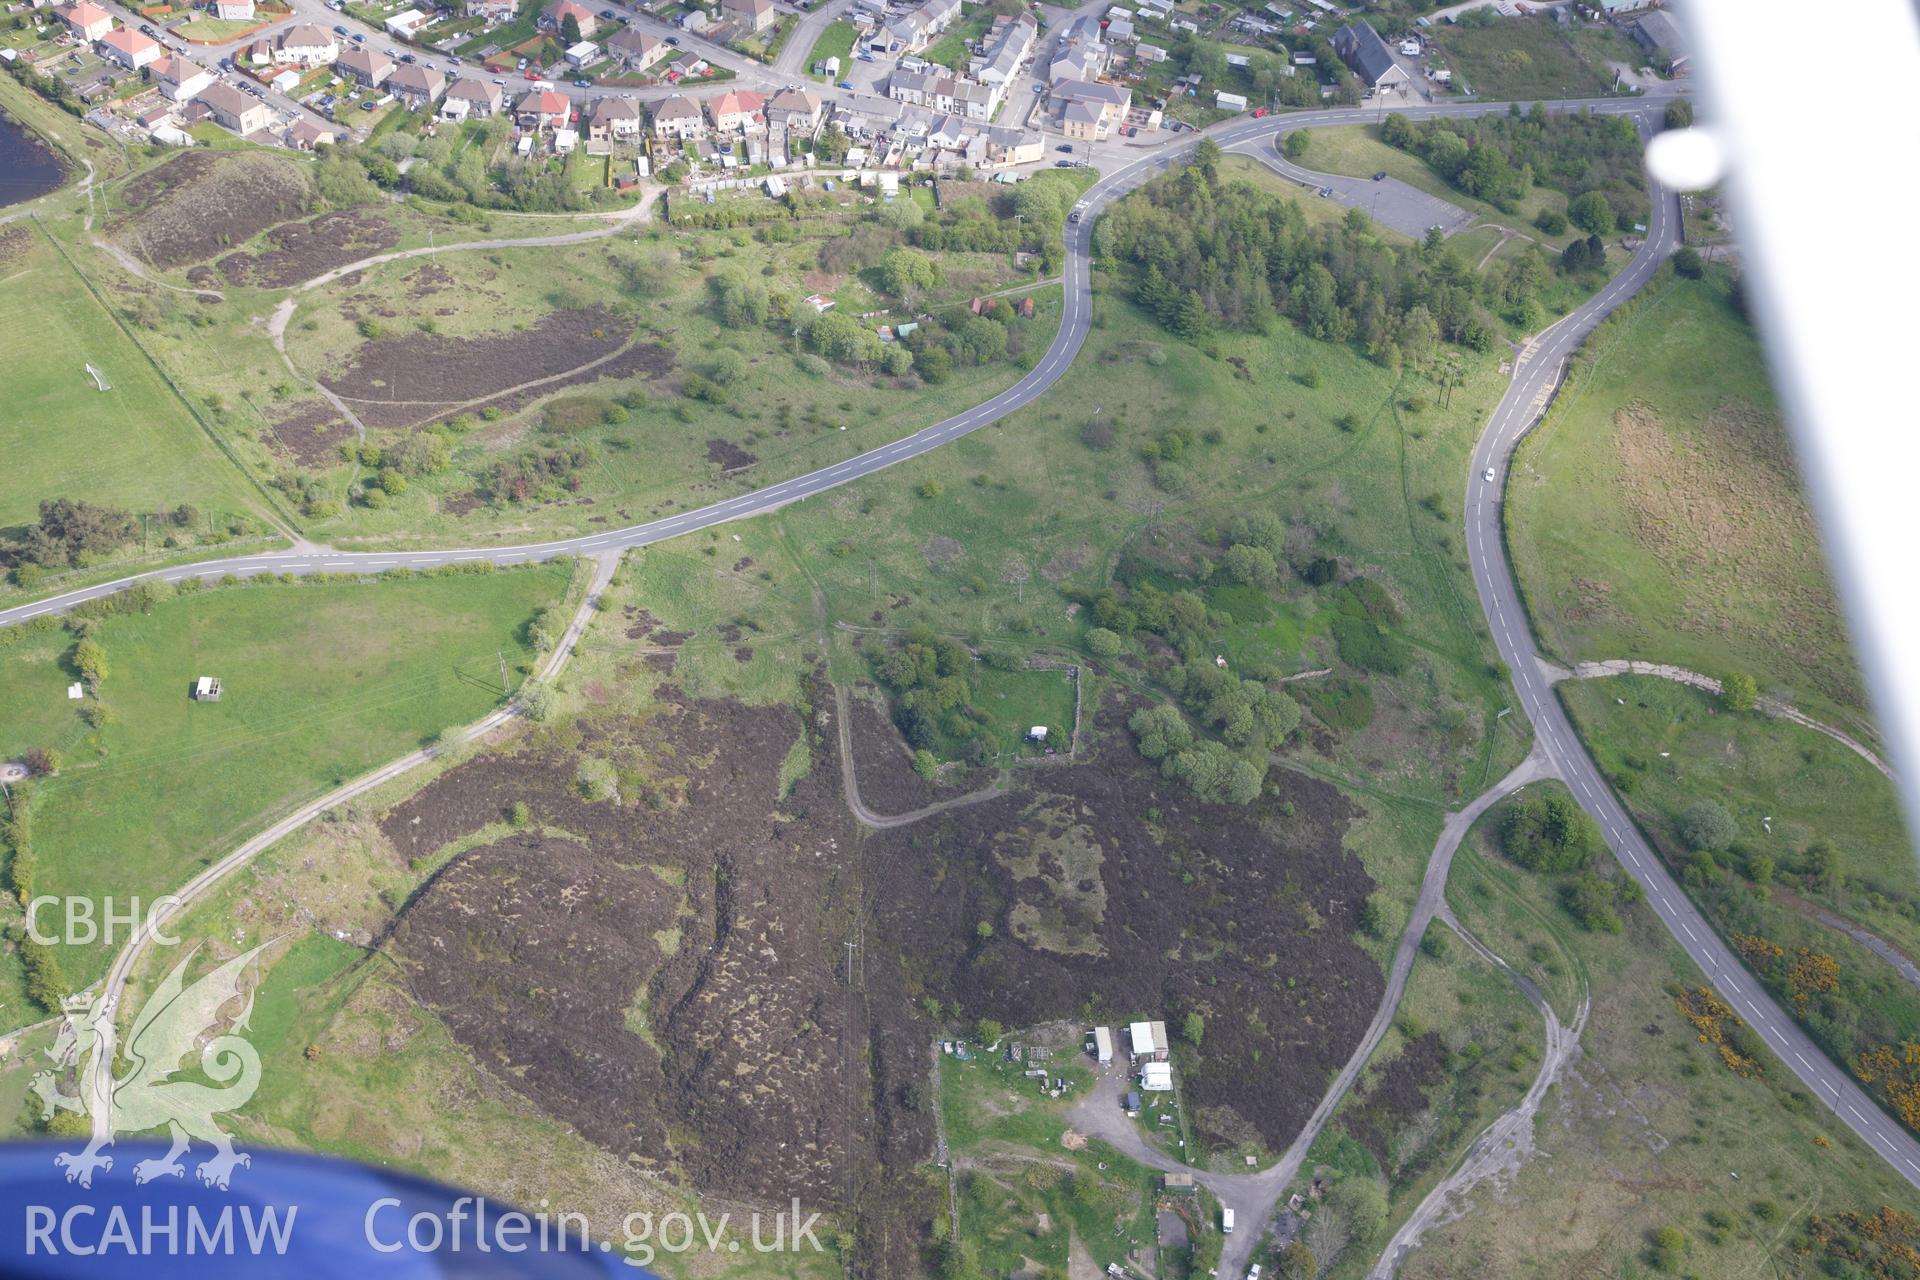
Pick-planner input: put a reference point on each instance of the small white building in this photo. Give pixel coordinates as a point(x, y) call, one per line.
point(405, 23)
point(1037, 734)
point(1230, 101)
point(583, 53)
point(206, 689)
point(1102, 1044)
point(1157, 1077)
point(1140, 1036)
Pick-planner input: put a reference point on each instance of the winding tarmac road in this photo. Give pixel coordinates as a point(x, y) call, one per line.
point(1537, 375)
point(1537, 372)
point(1074, 325)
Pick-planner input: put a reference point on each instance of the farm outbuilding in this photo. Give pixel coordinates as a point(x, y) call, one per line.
point(206, 689)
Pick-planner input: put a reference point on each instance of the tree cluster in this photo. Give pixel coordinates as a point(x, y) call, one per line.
point(70, 530)
point(1594, 159)
point(1550, 834)
point(931, 679)
point(1208, 252)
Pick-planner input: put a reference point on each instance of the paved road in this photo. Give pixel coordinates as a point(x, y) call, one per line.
point(792, 58)
point(1390, 202)
point(1074, 325)
point(1535, 377)
point(1538, 370)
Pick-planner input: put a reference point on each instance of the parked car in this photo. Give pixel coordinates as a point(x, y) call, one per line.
point(407, 57)
point(1380, 176)
point(359, 37)
point(606, 15)
point(341, 31)
point(583, 84)
point(145, 30)
point(1065, 146)
point(844, 84)
point(1063, 164)
point(673, 39)
point(499, 79)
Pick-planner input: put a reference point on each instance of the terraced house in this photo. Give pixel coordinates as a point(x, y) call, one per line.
point(1007, 44)
point(917, 28)
point(946, 94)
point(1089, 110)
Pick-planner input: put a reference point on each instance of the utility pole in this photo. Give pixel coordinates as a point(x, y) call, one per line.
point(502, 655)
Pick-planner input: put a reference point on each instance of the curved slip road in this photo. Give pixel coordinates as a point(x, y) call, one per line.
point(1074, 325)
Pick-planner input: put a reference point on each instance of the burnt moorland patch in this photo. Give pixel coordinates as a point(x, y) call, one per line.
point(202, 202)
point(666, 966)
point(1107, 891)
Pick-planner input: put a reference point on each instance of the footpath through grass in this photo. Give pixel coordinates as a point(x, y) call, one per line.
point(320, 682)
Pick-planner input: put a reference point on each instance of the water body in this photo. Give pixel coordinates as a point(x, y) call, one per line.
point(28, 166)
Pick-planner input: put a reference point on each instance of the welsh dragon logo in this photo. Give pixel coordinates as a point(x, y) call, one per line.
point(177, 1020)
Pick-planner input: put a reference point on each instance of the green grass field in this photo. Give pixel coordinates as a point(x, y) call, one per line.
point(835, 42)
point(1016, 1198)
point(135, 446)
point(1657, 513)
point(1527, 58)
point(1647, 1126)
point(320, 683)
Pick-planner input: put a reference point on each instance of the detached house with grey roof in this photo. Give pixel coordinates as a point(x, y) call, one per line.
point(1362, 49)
